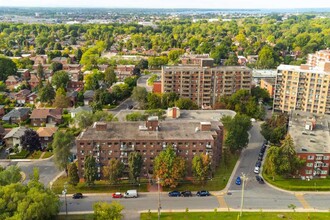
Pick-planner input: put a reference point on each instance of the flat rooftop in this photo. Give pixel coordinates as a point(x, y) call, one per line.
point(168, 130)
point(306, 140)
point(194, 67)
point(311, 69)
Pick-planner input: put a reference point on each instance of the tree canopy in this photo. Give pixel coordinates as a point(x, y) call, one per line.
point(7, 68)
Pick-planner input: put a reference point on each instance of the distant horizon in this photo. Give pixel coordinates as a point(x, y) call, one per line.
point(171, 4)
point(119, 7)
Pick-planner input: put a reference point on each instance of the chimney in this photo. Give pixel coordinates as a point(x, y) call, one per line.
point(152, 123)
point(205, 126)
point(100, 126)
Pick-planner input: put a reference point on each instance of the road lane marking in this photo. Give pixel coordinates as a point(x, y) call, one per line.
point(222, 202)
point(302, 200)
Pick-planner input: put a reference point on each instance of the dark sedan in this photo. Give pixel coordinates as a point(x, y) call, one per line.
point(77, 196)
point(260, 179)
point(186, 194)
point(203, 193)
point(174, 194)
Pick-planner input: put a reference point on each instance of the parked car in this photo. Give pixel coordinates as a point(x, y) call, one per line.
point(186, 194)
point(256, 170)
point(258, 163)
point(131, 193)
point(77, 196)
point(260, 179)
point(174, 194)
point(203, 193)
point(260, 158)
point(117, 195)
point(238, 181)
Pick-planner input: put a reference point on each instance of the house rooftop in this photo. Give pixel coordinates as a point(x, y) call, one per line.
point(16, 113)
point(46, 131)
point(44, 113)
point(310, 132)
point(168, 130)
point(16, 132)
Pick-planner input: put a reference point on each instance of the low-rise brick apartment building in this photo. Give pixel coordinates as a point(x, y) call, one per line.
point(310, 133)
point(305, 87)
point(118, 139)
point(205, 85)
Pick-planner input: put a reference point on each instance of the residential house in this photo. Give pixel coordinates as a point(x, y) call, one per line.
point(124, 71)
point(31, 98)
point(21, 96)
point(13, 82)
point(75, 85)
point(2, 110)
point(23, 73)
point(80, 109)
point(42, 59)
point(16, 115)
point(40, 117)
point(13, 138)
point(73, 96)
point(88, 97)
point(2, 133)
point(69, 67)
point(63, 60)
point(102, 67)
point(46, 135)
point(34, 81)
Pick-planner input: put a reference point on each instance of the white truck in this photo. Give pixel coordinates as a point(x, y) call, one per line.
point(131, 194)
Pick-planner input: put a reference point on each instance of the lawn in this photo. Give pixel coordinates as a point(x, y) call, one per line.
point(99, 187)
point(76, 217)
point(47, 154)
point(298, 184)
point(35, 155)
point(218, 182)
point(233, 215)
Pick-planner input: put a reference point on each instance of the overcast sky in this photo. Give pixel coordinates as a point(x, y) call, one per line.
point(171, 3)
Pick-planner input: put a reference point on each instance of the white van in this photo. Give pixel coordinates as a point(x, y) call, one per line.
point(131, 194)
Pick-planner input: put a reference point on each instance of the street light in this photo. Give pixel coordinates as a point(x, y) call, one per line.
point(244, 178)
point(64, 193)
point(159, 206)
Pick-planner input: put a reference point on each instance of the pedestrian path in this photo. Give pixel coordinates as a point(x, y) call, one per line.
point(222, 202)
point(42, 155)
point(304, 203)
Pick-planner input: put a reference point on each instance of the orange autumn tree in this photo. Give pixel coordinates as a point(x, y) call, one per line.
point(169, 168)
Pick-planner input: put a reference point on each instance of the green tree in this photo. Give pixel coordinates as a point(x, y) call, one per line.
point(139, 94)
point(275, 128)
point(47, 93)
point(237, 128)
point(106, 211)
point(90, 172)
point(61, 100)
point(114, 170)
point(110, 76)
point(73, 174)
point(3, 87)
point(40, 72)
point(267, 58)
point(62, 143)
point(154, 101)
point(7, 68)
point(92, 80)
point(142, 64)
point(135, 163)
point(60, 79)
point(219, 53)
point(169, 167)
point(10, 175)
point(186, 103)
point(30, 140)
point(84, 119)
point(174, 55)
point(232, 60)
point(201, 167)
point(56, 66)
point(271, 163)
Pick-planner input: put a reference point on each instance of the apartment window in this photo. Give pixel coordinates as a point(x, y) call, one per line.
point(308, 172)
point(310, 157)
point(324, 172)
point(325, 165)
point(309, 164)
point(325, 157)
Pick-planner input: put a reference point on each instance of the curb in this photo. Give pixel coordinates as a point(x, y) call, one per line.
point(53, 180)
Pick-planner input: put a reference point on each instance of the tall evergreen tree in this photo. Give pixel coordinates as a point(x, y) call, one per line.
point(90, 173)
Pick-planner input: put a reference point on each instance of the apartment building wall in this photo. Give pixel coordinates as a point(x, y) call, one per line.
point(302, 88)
point(104, 149)
point(317, 165)
point(205, 85)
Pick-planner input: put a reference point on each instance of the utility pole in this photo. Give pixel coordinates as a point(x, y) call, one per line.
point(244, 178)
point(66, 203)
point(159, 206)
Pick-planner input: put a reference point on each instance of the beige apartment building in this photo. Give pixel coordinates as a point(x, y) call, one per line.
point(316, 59)
point(205, 85)
point(304, 88)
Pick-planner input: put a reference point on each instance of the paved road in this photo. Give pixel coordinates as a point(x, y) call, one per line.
point(123, 106)
point(142, 82)
point(256, 196)
point(144, 202)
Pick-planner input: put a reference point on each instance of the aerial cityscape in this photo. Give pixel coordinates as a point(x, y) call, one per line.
point(164, 110)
